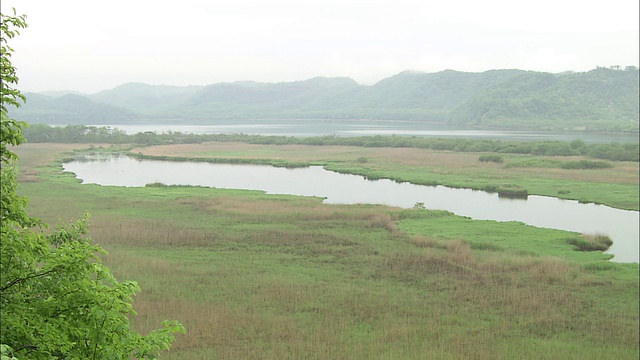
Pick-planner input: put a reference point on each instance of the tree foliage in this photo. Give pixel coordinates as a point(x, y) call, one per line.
point(40, 133)
point(11, 130)
point(57, 300)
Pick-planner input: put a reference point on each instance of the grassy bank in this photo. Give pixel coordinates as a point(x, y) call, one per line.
point(615, 186)
point(262, 276)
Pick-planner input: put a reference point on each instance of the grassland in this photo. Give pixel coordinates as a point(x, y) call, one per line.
point(539, 175)
point(256, 276)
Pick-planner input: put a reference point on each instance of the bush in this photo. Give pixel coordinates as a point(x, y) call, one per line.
point(156, 184)
point(491, 188)
point(491, 158)
point(535, 163)
point(586, 164)
point(512, 191)
point(598, 242)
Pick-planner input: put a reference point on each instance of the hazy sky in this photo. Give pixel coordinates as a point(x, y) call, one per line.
point(95, 45)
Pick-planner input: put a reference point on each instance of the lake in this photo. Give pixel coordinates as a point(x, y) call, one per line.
point(621, 225)
point(350, 128)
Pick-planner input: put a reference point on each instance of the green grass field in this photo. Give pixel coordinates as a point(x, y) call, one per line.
point(256, 276)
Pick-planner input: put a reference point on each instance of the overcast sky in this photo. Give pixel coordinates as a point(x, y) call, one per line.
point(95, 45)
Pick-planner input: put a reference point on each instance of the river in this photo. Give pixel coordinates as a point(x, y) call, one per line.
point(621, 225)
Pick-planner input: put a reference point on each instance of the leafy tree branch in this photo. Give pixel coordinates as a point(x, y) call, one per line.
point(57, 300)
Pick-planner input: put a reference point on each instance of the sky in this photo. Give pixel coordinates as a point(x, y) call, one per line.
point(89, 46)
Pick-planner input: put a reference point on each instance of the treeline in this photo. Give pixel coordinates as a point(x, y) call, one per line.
point(40, 133)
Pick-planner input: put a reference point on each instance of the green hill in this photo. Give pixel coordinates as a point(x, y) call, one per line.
point(422, 96)
point(145, 99)
point(603, 99)
point(71, 109)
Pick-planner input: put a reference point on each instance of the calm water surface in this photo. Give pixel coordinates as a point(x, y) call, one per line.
point(347, 128)
point(621, 225)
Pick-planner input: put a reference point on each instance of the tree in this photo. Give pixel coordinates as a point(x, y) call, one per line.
point(57, 300)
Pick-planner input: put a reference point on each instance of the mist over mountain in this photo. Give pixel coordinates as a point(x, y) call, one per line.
point(603, 99)
point(70, 109)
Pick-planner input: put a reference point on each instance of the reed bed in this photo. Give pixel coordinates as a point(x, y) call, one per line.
point(395, 158)
point(407, 305)
point(255, 276)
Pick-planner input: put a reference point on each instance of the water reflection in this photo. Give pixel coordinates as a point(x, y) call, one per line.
point(621, 225)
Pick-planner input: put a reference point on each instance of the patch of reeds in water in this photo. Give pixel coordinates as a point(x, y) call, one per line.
point(512, 191)
point(595, 242)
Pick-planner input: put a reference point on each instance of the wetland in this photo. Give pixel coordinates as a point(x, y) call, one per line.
point(621, 225)
point(284, 276)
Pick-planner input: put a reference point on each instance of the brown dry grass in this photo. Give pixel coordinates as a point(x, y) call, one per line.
point(33, 156)
point(427, 242)
point(444, 162)
point(137, 232)
point(460, 252)
point(306, 153)
point(303, 153)
point(621, 173)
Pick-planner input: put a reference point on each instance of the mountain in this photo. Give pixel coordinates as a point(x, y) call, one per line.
point(139, 97)
point(603, 99)
point(426, 96)
point(70, 109)
point(317, 97)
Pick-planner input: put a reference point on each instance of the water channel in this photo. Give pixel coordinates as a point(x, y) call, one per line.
point(621, 225)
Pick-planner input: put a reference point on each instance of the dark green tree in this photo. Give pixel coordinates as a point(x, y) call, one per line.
point(57, 300)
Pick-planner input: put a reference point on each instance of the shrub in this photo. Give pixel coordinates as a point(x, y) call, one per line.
point(491, 188)
point(512, 191)
point(156, 184)
point(598, 242)
point(491, 158)
point(586, 164)
point(535, 163)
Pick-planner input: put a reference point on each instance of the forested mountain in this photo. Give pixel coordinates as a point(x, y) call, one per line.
point(604, 99)
point(71, 109)
point(598, 99)
point(139, 98)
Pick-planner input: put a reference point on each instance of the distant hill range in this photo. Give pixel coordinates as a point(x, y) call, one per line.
point(603, 99)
